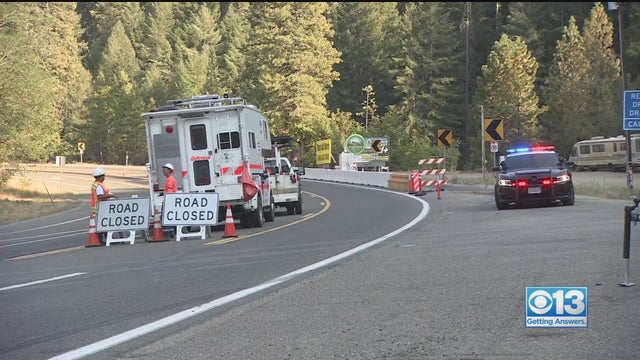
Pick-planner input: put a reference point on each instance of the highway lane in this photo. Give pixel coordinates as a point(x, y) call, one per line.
point(451, 287)
point(97, 293)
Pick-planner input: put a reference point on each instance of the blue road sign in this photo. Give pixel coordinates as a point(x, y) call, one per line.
point(631, 116)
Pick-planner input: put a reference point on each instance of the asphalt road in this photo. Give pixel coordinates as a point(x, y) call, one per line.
point(71, 297)
point(451, 286)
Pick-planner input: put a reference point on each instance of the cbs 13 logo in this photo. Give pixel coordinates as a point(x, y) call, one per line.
point(557, 301)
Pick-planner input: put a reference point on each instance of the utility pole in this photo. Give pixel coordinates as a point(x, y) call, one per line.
point(482, 139)
point(627, 135)
point(466, 22)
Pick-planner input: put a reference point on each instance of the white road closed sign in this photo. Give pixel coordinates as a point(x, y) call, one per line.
point(123, 214)
point(183, 209)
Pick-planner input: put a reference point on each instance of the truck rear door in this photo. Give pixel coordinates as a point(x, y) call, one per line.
point(199, 150)
point(229, 157)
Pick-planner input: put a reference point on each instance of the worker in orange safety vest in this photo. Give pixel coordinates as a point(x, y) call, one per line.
point(99, 192)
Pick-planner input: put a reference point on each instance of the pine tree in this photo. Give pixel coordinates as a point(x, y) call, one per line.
point(518, 23)
point(191, 72)
point(116, 107)
point(197, 41)
point(101, 19)
point(547, 20)
point(507, 90)
point(604, 88)
point(30, 124)
point(56, 32)
point(368, 36)
point(156, 54)
point(426, 84)
point(566, 93)
point(369, 107)
point(235, 32)
point(291, 67)
point(631, 46)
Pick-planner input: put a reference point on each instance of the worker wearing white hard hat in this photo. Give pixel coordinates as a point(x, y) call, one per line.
point(168, 166)
point(99, 192)
point(171, 184)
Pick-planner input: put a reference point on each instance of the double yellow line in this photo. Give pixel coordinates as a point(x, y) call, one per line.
point(327, 205)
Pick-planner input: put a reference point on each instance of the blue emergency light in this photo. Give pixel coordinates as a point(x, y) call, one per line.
point(530, 149)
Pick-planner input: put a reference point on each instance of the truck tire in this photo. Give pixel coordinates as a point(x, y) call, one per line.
point(257, 215)
point(245, 220)
point(270, 214)
point(298, 206)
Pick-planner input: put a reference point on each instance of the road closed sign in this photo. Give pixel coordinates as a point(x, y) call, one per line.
point(184, 209)
point(123, 214)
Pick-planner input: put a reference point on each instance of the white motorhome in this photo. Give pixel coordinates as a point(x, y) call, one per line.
point(211, 141)
point(601, 153)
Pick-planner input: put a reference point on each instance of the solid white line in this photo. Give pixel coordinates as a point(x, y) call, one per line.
point(183, 315)
point(61, 236)
point(40, 281)
point(42, 235)
point(46, 226)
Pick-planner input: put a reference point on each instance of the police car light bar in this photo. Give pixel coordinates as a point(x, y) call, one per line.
point(542, 148)
point(529, 149)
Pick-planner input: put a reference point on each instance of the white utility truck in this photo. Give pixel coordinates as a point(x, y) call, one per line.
point(212, 141)
point(284, 179)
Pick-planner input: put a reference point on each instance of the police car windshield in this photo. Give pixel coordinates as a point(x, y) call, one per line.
point(531, 161)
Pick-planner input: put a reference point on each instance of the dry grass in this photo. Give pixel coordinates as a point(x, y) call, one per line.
point(17, 204)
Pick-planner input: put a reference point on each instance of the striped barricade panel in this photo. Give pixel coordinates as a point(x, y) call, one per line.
point(432, 172)
point(431, 161)
point(434, 182)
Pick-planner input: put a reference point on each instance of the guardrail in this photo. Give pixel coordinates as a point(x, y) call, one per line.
point(369, 178)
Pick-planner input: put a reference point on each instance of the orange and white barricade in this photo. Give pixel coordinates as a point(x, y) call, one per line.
point(417, 183)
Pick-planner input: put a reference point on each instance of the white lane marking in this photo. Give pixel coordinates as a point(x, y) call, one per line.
point(42, 235)
point(46, 226)
point(48, 238)
point(183, 315)
point(40, 281)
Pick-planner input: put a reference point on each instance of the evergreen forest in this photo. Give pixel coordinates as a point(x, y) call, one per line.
point(85, 72)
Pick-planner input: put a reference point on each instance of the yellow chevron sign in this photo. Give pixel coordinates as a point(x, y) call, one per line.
point(445, 137)
point(494, 129)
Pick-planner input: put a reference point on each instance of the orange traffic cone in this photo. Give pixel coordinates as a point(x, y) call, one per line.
point(94, 238)
point(158, 234)
point(229, 225)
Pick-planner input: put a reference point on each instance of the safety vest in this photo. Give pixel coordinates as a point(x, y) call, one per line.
point(171, 184)
point(94, 195)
